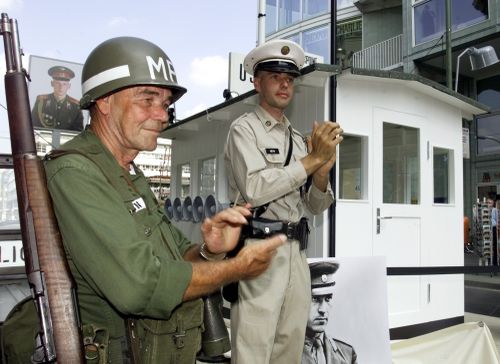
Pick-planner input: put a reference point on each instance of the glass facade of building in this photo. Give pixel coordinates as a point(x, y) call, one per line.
point(429, 17)
point(315, 38)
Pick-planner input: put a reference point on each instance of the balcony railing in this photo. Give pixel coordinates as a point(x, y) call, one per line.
point(385, 55)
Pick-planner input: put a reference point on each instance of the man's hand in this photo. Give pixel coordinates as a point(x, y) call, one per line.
point(322, 148)
point(256, 257)
point(221, 232)
point(324, 139)
point(251, 261)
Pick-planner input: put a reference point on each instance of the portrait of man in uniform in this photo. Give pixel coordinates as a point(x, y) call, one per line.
point(348, 319)
point(320, 348)
point(58, 110)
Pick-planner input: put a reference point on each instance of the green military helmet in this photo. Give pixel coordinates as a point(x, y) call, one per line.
point(123, 62)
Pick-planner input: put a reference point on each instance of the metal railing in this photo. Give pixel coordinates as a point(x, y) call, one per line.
point(385, 55)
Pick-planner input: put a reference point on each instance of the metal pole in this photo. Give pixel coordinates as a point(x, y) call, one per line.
point(261, 23)
point(457, 72)
point(449, 82)
point(333, 117)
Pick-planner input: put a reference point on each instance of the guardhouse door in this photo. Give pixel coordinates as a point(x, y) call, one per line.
point(397, 205)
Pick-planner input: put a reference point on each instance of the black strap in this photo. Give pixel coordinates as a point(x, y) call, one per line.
point(261, 209)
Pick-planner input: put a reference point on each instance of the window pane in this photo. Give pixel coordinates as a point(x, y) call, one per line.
point(271, 17)
point(467, 13)
point(315, 7)
point(429, 20)
point(351, 168)
point(289, 12)
point(9, 212)
point(488, 92)
point(430, 17)
point(443, 159)
point(207, 177)
point(294, 38)
point(344, 3)
point(401, 166)
point(316, 41)
point(185, 180)
point(488, 134)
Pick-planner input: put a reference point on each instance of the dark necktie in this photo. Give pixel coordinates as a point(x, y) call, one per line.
point(320, 353)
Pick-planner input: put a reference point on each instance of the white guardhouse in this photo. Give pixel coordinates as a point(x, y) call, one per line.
point(399, 183)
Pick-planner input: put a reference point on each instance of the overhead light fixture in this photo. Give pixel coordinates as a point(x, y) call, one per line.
point(479, 58)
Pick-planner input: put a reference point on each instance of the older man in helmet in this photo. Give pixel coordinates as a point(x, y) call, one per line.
point(131, 266)
point(268, 163)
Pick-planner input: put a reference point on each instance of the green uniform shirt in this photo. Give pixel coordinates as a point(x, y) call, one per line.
point(125, 256)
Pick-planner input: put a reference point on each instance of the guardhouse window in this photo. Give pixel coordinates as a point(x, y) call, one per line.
point(401, 164)
point(353, 168)
point(185, 180)
point(443, 172)
point(207, 177)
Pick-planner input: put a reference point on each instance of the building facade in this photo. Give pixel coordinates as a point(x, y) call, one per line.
point(411, 37)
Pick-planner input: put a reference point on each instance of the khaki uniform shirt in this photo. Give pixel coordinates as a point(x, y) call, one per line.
point(255, 155)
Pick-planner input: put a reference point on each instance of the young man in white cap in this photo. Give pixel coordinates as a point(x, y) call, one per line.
point(268, 163)
point(318, 347)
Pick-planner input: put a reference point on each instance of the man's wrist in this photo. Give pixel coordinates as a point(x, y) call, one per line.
point(207, 255)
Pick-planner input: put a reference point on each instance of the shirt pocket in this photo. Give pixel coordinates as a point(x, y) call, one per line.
point(146, 221)
point(273, 156)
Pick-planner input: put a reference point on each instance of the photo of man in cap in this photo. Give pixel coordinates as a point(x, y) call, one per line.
point(318, 347)
point(58, 110)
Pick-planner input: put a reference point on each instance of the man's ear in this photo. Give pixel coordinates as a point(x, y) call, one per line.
point(103, 105)
point(256, 83)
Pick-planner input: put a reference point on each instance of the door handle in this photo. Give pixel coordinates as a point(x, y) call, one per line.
point(378, 220)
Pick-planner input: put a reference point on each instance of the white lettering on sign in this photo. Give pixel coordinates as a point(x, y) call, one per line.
point(239, 81)
point(159, 67)
point(11, 254)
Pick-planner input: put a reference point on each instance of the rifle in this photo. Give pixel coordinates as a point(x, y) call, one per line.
point(52, 287)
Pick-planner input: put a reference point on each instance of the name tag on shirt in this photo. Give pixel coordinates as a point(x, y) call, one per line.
point(272, 151)
point(138, 204)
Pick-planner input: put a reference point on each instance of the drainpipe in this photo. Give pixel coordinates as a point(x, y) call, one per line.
point(261, 23)
point(449, 82)
point(333, 117)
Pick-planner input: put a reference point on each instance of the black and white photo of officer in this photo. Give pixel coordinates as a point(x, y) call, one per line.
point(319, 348)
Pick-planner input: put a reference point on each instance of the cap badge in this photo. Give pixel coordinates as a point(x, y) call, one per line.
point(324, 278)
point(285, 50)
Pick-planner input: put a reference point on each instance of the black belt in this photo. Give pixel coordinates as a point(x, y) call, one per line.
point(261, 228)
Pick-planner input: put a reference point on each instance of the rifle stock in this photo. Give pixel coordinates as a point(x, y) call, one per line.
point(48, 273)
